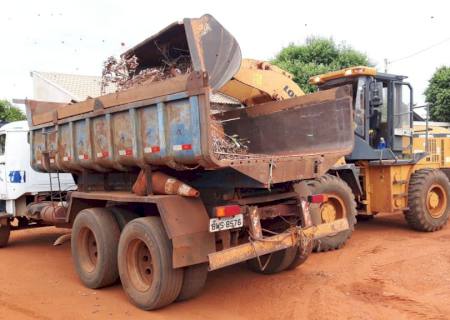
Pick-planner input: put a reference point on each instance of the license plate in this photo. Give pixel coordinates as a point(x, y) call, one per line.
point(218, 224)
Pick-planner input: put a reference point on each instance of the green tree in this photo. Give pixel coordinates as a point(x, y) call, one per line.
point(9, 113)
point(438, 95)
point(316, 56)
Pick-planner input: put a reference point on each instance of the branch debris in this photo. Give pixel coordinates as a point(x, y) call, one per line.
point(125, 73)
point(225, 146)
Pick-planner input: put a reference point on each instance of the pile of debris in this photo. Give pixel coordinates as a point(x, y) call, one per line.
point(123, 73)
point(225, 146)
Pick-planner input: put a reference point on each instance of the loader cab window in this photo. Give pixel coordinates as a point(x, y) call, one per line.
point(2, 144)
point(378, 121)
point(359, 112)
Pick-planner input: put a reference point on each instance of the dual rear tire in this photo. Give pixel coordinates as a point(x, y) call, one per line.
point(141, 255)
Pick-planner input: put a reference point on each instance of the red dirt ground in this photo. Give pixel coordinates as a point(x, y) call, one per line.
point(386, 271)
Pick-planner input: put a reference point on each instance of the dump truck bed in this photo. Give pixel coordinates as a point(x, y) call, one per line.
point(168, 123)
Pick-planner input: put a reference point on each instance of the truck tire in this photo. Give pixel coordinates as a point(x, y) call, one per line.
point(302, 255)
point(194, 280)
point(428, 200)
point(145, 264)
point(5, 231)
point(123, 216)
point(95, 237)
point(279, 261)
point(341, 204)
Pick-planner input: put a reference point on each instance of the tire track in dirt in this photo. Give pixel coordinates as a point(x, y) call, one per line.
point(5, 302)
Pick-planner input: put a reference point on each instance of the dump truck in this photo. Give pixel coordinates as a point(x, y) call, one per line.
point(393, 166)
point(160, 199)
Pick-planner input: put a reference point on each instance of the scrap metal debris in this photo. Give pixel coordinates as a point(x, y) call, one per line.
point(227, 146)
point(123, 73)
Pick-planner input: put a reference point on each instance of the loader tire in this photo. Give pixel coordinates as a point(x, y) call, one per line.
point(279, 261)
point(5, 231)
point(194, 280)
point(428, 200)
point(340, 204)
point(95, 237)
point(123, 216)
point(145, 264)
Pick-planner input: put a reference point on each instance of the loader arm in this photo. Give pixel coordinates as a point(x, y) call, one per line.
point(259, 81)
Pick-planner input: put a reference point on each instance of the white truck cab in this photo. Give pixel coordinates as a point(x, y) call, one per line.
point(19, 183)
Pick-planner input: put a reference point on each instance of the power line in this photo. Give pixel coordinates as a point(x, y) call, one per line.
point(418, 52)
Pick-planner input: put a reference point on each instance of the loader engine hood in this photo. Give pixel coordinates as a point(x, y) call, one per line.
point(209, 45)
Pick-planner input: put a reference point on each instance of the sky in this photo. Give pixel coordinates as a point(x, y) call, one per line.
point(77, 36)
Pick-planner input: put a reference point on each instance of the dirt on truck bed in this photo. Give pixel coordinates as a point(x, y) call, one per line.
point(386, 271)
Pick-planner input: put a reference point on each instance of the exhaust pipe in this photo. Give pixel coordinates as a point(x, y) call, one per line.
point(47, 211)
point(163, 184)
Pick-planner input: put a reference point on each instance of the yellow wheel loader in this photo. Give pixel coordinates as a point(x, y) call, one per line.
point(392, 167)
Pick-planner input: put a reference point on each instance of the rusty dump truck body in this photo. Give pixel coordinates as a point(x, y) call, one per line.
point(167, 127)
point(286, 142)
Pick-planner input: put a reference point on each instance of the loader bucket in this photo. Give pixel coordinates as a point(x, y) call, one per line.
point(204, 40)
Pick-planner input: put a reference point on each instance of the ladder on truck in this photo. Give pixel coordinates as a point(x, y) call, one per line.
point(54, 178)
point(56, 196)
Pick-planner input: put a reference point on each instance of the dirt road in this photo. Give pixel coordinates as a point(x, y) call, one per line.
point(385, 272)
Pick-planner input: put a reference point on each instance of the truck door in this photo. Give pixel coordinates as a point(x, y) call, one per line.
point(3, 192)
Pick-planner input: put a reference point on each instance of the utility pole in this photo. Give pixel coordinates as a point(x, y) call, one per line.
point(386, 62)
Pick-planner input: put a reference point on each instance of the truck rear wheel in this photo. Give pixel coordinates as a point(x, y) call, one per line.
point(194, 280)
point(145, 264)
point(428, 200)
point(302, 254)
point(340, 204)
point(123, 216)
point(5, 230)
point(274, 262)
point(95, 237)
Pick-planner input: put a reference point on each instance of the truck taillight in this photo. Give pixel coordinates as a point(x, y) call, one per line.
point(227, 211)
point(317, 198)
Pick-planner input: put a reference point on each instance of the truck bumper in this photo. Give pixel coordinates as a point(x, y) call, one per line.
point(271, 244)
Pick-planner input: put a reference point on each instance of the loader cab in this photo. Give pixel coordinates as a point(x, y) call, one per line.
point(382, 105)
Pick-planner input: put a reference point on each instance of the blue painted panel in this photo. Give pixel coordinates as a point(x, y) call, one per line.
point(17, 176)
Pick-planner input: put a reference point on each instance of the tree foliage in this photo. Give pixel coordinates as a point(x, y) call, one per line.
point(316, 56)
point(438, 95)
point(10, 113)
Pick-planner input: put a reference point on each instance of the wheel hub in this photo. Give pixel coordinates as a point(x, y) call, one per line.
point(332, 209)
point(88, 249)
point(140, 265)
point(328, 212)
point(436, 201)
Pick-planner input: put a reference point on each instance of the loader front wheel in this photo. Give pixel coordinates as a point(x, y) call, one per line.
point(95, 237)
point(340, 205)
point(145, 264)
point(5, 231)
point(428, 200)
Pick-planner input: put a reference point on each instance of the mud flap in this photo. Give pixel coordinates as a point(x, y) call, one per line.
point(187, 225)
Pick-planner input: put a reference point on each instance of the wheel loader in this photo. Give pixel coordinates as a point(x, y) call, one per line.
point(393, 166)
